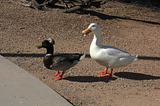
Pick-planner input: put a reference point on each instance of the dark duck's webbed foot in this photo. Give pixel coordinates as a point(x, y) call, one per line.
point(59, 76)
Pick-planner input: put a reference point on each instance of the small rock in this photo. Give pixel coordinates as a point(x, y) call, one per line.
point(22, 28)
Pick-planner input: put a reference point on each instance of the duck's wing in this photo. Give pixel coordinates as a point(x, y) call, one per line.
point(112, 51)
point(68, 56)
point(116, 54)
point(64, 61)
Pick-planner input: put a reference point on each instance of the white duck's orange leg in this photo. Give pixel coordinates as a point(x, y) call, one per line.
point(59, 76)
point(103, 72)
point(108, 75)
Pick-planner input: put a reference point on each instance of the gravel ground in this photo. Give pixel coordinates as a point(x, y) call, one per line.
point(125, 26)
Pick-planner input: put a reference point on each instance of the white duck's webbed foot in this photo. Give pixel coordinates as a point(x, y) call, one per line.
point(107, 75)
point(103, 72)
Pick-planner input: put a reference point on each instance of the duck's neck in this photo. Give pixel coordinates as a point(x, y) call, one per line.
point(96, 40)
point(50, 50)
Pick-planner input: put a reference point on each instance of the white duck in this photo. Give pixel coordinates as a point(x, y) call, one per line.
point(105, 55)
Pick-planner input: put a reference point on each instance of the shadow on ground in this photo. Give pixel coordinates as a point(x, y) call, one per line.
point(109, 17)
point(21, 55)
point(136, 76)
point(87, 56)
point(89, 79)
point(149, 58)
point(144, 3)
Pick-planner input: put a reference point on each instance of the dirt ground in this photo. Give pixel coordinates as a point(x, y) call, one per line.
point(128, 27)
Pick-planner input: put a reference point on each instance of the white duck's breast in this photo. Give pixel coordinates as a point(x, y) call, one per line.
point(97, 54)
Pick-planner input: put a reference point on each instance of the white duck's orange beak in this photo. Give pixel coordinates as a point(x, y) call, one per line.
point(86, 32)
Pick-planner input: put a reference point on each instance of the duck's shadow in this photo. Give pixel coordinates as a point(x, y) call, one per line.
point(127, 75)
point(88, 79)
point(136, 76)
point(87, 56)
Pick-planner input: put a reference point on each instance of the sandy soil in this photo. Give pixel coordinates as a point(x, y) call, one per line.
point(125, 26)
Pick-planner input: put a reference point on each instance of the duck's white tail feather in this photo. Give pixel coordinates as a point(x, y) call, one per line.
point(83, 56)
point(135, 57)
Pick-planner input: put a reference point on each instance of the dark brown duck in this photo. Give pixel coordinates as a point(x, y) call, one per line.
point(60, 61)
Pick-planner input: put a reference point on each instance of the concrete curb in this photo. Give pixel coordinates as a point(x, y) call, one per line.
point(19, 88)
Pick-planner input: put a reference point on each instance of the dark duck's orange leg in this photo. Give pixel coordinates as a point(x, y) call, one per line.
point(59, 76)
